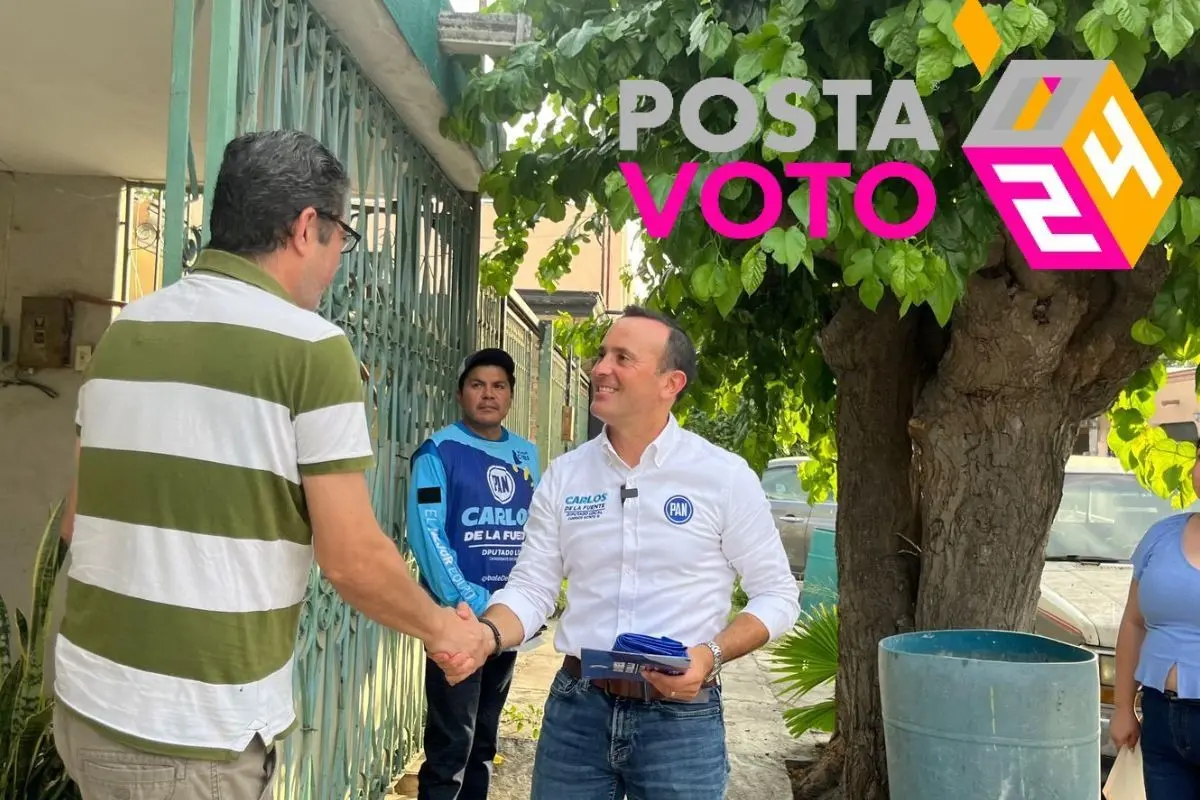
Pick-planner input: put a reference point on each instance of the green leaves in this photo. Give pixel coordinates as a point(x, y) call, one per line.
point(1146, 332)
point(1175, 24)
point(1189, 218)
point(1161, 465)
point(754, 269)
point(789, 247)
point(748, 67)
point(710, 38)
point(935, 59)
point(746, 302)
point(1099, 33)
point(1131, 15)
point(805, 659)
point(29, 765)
point(702, 281)
point(573, 42)
point(861, 271)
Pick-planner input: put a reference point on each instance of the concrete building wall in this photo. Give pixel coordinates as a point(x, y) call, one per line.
point(58, 234)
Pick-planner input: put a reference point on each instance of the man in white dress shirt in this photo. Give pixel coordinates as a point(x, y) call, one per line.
point(650, 525)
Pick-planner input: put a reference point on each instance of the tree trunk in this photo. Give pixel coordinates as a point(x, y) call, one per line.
point(875, 358)
point(981, 560)
point(933, 427)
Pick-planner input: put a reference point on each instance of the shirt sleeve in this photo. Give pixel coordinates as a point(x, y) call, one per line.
point(535, 468)
point(753, 546)
point(1145, 548)
point(435, 558)
point(535, 581)
point(330, 416)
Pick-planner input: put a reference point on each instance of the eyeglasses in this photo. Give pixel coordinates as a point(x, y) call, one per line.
point(352, 236)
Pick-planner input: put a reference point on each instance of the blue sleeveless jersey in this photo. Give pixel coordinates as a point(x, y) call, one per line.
point(467, 505)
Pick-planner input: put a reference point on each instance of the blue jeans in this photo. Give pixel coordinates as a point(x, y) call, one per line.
point(596, 746)
point(1170, 747)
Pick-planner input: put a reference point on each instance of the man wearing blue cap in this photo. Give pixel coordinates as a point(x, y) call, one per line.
point(469, 497)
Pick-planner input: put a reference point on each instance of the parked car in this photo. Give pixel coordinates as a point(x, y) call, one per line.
point(794, 516)
point(1103, 515)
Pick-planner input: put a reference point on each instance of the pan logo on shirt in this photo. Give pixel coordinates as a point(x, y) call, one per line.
point(500, 482)
point(678, 509)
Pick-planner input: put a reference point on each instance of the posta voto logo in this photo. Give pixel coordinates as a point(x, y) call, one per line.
point(1062, 149)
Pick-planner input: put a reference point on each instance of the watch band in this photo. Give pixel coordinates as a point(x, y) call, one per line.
point(717, 659)
point(495, 635)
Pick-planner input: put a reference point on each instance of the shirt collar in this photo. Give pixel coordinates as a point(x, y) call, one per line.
point(240, 269)
point(657, 450)
point(462, 426)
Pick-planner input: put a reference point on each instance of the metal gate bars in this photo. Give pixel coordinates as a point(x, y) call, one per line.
point(407, 299)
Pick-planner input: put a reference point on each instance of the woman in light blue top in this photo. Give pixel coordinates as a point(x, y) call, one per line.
point(1158, 649)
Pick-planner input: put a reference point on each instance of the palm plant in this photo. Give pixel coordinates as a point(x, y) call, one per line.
point(29, 764)
point(804, 659)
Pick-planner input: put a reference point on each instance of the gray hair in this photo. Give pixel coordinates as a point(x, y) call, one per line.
point(266, 180)
point(680, 353)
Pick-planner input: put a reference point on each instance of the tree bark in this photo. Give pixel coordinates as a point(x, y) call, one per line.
point(876, 360)
point(1031, 357)
point(979, 564)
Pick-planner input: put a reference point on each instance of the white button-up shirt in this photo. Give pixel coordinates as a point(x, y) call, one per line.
point(662, 563)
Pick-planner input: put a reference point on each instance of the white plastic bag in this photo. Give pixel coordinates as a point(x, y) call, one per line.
point(1125, 779)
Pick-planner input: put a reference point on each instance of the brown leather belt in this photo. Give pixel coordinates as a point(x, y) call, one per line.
point(635, 690)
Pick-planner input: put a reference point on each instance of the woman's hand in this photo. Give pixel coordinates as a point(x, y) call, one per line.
point(1124, 728)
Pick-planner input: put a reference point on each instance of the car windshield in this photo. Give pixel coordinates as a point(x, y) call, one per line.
point(783, 483)
point(1104, 516)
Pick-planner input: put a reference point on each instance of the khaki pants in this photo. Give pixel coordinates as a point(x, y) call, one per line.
point(107, 770)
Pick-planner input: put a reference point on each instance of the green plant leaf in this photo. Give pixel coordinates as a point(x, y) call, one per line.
point(807, 656)
point(1189, 218)
point(1172, 27)
point(1146, 332)
point(754, 269)
point(702, 282)
point(821, 716)
point(1098, 33)
point(748, 67)
point(870, 291)
point(861, 266)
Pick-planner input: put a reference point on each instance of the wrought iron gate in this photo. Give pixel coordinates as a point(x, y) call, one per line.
point(406, 297)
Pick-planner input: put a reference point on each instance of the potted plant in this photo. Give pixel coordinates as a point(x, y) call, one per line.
point(29, 763)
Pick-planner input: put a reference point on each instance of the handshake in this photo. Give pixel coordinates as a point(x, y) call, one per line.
point(461, 643)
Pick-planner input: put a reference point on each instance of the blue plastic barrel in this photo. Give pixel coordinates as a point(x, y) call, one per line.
point(977, 714)
point(820, 572)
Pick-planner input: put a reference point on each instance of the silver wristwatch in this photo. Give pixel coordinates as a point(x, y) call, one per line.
point(716, 651)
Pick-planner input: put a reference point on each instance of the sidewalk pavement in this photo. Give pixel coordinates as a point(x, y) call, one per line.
point(756, 736)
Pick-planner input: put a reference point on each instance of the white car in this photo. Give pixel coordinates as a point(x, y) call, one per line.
point(1103, 515)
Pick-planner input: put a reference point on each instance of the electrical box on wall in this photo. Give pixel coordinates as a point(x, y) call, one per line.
point(44, 337)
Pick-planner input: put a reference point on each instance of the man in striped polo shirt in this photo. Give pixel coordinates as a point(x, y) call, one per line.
point(223, 441)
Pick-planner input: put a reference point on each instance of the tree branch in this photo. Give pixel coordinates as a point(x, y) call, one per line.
point(1029, 316)
point(1103, 355)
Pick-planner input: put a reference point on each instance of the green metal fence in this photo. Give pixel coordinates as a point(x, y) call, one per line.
point(410, 302)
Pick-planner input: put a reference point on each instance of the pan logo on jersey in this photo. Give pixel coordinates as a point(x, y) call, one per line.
point(678, 509)
point(500, 482)
point(585, 506)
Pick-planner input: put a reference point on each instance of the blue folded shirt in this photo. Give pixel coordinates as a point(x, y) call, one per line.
point(649, 645)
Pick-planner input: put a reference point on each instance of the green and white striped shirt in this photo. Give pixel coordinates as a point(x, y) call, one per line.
point(204, 405)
